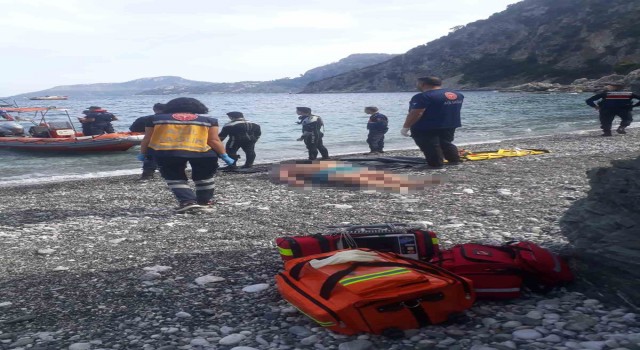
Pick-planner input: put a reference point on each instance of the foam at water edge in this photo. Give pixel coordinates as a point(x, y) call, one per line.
point(65, 178)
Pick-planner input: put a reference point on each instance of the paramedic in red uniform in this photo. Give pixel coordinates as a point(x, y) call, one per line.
point(614, 102)
point(434, 115)
point(181, 135)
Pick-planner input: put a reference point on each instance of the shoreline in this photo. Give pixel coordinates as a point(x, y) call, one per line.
point(389, 152)
point(106, 262)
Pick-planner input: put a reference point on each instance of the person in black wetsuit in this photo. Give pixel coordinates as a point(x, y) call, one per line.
point(243, 134)
point(149, 165)
point(378, 125)
point(311, 133)
point(614, 102)
point(97, 121)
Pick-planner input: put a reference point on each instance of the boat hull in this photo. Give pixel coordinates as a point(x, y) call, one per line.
point(102, 143)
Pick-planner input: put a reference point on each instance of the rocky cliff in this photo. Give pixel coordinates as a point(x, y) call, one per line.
point(604, 228)
point(631, 81)
point(552, 41)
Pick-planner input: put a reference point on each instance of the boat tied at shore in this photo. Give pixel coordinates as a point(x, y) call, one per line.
point(54, 135)
point(48, 98)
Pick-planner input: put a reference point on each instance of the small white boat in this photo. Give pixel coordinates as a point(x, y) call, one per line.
point(39, 98)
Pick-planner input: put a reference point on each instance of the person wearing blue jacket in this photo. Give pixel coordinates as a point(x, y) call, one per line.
point(378, 125)
point(434, 115)
point(614, 102)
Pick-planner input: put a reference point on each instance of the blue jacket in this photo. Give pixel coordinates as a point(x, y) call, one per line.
point(441, 109)
point(614, 100)
point(378, 122)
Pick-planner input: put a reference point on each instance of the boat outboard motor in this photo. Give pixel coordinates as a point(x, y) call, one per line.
point(9, 129)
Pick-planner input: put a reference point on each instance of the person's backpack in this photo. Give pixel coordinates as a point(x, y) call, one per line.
point(380, 297)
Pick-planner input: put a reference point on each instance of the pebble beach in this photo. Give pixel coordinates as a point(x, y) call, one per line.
point(106, 264)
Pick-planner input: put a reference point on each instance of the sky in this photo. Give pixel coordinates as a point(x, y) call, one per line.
point(63, 42)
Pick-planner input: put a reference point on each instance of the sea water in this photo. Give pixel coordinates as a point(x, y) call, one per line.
point(486, 117)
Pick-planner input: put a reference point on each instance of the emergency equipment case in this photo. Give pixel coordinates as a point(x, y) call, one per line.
point(404, 239)
point(393, 294)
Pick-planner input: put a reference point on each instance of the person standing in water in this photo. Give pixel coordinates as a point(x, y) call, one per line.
point(312, 134)
point(97, 121)
point(378, 125)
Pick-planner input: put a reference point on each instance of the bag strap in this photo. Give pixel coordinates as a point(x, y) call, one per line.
point(465, 284)
point(330, 283)
point(323, 242)
point(294, 246)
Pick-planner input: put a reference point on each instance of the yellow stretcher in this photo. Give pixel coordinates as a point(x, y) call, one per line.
point(501, 153)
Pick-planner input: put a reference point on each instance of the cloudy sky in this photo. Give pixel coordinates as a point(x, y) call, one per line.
point(61, 42)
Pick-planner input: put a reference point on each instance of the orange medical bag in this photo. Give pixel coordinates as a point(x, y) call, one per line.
point(395, 293)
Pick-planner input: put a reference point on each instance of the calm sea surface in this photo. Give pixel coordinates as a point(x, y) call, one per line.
point(487, 116)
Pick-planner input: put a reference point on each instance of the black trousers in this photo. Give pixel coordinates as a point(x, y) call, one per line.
point(608, 115)
point(437, 145)
point(314, 144)
point(376, 141)
point(248, 147)
point(202, 171)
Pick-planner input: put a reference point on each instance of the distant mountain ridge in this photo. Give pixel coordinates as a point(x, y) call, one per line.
point(167, 85)
point(351, 62)
point(553, 41)
point(102, 89)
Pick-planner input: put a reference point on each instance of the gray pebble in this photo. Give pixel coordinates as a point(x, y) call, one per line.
point(359, 344)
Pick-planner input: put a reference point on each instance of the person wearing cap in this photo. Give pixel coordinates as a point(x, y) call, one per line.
point(378, 125)
point(149, 165)
point(243, 134)
point(614, 102)
point(97, 121)
point(312, 126)
point(183, 134)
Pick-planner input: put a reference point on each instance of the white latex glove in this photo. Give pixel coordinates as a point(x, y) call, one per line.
point(405, 132)
point(346, 256)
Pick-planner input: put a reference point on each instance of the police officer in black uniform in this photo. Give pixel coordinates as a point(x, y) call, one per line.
point(378, 125)
point(243, 134)
point(614, 102)
point(311, 133)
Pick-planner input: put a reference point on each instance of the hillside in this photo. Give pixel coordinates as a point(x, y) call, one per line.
point(346, 64)
point(170, 85)
point(554, 41)
point(110, 89)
